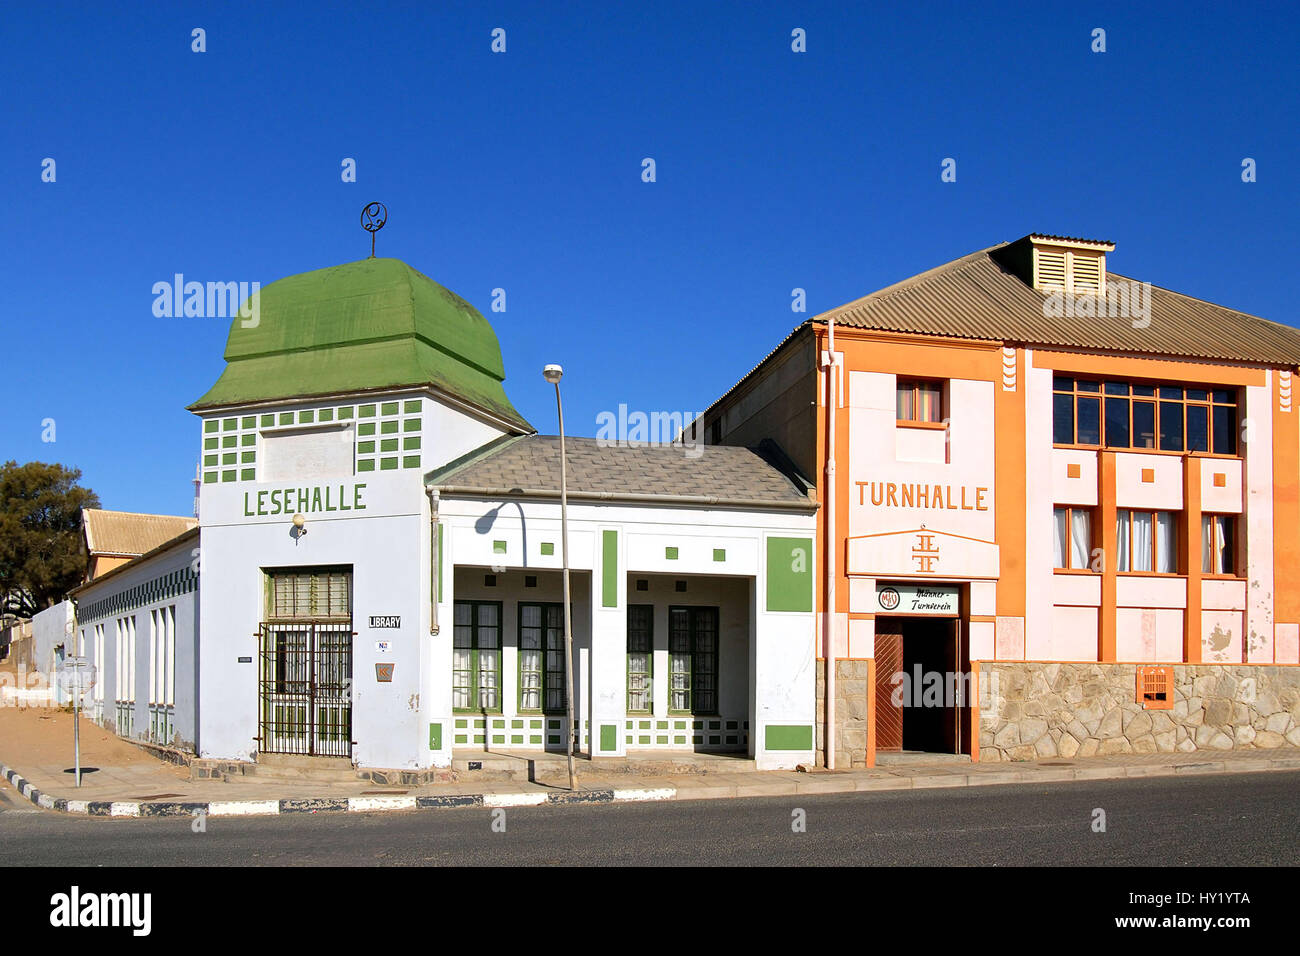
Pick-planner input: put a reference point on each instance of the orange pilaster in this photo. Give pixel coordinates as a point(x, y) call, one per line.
point(1110, 557)
point(1191, 558)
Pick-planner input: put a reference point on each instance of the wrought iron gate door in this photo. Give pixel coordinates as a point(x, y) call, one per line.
point(305, 688)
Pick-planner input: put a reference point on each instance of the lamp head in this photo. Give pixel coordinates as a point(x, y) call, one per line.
point(553, 374)
point(299, 521)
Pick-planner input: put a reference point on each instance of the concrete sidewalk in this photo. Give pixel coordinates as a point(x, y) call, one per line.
point(149, 790)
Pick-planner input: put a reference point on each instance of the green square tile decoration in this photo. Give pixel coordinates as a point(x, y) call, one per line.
point(327, 414)
point(228, 475)
point(248, 474)
point(268, 420)
point(247, 440)
point(388, 428)
point(228, 441)
point(209, 443)
point(306, 417)
point(411, 444)
point(411, 461)
point(365, 448)
point(412, 405)
point(211, 425)
point(209, 477)
point(411, 425)
point(286, 418)
point(250, 421)
point(388, 408)
point(388, 464)
point(247, 457)
point(366, 411)
point(498, 547)
point(345, 412)
point(670, 554)
point(548, 547)
point(366, 428)
point(367, 464)
point(229, 424)
point(210, 459)
point(388, 444)
point(719, 554)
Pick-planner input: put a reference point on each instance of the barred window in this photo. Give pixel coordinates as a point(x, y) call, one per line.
point(640, 658)
point(310, 594)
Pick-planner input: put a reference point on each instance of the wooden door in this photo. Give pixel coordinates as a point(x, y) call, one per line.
point(889, 661)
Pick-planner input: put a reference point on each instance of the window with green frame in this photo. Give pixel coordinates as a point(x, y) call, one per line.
point(693, 660)
point(640, 658)
point(541, 658)
point(476, 657)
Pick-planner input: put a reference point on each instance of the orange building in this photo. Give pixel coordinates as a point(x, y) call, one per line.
point(1063, 510)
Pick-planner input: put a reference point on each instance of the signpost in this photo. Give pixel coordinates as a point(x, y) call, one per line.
point(77, 676)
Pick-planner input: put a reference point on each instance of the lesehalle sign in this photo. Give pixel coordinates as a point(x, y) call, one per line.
point(917, 599)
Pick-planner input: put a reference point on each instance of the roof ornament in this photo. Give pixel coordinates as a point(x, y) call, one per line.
point(373, 218)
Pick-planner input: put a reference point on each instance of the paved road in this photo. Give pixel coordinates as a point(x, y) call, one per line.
point(1212, 820)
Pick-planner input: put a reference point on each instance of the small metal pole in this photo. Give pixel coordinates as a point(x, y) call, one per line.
point(568, 614)
point(76, 727)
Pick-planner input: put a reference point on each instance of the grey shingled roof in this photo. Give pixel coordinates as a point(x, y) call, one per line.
point(718, 473)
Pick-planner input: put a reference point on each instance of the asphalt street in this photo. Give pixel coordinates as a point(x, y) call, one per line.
point(1221, 820)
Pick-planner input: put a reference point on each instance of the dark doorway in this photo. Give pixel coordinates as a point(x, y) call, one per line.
point(918, 668)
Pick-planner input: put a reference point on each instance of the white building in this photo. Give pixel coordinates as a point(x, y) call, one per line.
point(381, 556)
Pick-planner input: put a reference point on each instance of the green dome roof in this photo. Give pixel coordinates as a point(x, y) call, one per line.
point(363, 326)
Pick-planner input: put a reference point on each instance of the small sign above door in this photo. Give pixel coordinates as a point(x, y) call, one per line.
point(918, 599)
point(385, 620)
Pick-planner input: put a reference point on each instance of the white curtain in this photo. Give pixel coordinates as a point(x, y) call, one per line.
point(1080, 538)
point(1122, 522)
point(1142, 541)
point(1214, 544)
point(1166, 543)
point(1059, 536)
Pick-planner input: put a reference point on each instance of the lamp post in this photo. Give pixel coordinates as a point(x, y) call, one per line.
point(553, 374)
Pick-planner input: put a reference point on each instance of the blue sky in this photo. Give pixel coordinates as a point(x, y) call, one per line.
point(522, 171)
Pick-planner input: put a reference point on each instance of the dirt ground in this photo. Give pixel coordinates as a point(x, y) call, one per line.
point(40, 736)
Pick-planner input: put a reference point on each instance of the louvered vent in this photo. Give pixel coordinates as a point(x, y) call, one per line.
point(1085, 273)
point(1051, 270)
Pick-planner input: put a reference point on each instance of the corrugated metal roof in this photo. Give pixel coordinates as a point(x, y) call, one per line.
point(705, 471)
point(127, 534)
point(978, 297)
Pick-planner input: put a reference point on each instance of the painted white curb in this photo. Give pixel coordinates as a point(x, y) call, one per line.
point(380, 803)
point(513, 799)
point(239, 808)
point(124, 810)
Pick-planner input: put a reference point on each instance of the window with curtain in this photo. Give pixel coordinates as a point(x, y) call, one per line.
point(693, 660)
point(541, 658)
point(640, 658)
point(919, 401)
point(1218, 544)
point(476, 656)
point(1146, 541)
point(1072, 538)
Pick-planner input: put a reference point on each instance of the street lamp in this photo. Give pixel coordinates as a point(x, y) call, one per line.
point(553, 374)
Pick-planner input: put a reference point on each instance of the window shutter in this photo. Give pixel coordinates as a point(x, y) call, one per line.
point(1086, 273)
point(1051, 269)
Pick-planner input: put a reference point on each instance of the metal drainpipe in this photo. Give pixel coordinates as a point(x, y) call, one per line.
point(828, 625)
point(434, 596)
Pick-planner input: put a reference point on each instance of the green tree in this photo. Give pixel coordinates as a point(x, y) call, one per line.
point(42, 551)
